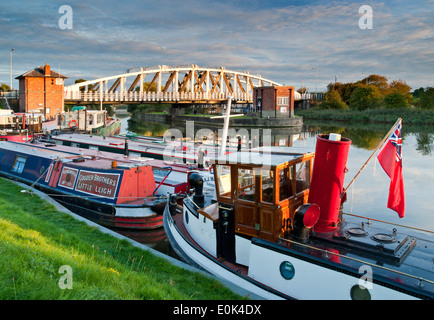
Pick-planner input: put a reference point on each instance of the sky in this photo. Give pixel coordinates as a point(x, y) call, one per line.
point(311, 42)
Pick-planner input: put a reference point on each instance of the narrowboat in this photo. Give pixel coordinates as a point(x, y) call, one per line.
point(276, 229)
point(170, 176)
point(106, 190)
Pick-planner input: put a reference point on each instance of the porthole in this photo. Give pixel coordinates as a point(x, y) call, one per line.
point(186, 216)
point(360, 293)
point(287, 270)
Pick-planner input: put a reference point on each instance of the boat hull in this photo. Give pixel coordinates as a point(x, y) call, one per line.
point(16, 137)
point(153, 221)
point(100, 213)
point(317, 276)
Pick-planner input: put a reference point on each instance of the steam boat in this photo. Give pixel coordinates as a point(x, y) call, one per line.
point(276, 229)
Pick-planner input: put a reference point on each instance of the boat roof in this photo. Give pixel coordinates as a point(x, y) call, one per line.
point(135, 143)
point(103, 158)
point(30, 149)
point(269, 156)
point(87, 159)
point(114, 142)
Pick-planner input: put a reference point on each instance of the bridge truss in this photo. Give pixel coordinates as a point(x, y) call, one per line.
point(174, 84)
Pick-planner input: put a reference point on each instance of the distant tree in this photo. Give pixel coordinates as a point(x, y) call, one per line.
point(345, 90)
point(365, 97)
point(89, 86)
point(333, 100)
point(427, 99)
point(302, 90)
point(418, 92)
point(401, 87)
point(148, 87)
point(395, 100)
point(4, 87)
point(378, 81)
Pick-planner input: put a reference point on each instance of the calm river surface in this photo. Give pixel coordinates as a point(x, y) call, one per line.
point(368, 195)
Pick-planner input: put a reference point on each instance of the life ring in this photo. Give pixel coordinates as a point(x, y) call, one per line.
point(73, 121)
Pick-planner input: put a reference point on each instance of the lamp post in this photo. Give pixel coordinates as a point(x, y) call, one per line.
point(316, 90)
point(11, 67)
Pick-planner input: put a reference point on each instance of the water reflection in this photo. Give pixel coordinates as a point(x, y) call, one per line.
point(425, 143)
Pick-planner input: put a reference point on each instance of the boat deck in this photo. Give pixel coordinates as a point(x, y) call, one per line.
point(243, 270)
point(396, 254)
point(119, 144)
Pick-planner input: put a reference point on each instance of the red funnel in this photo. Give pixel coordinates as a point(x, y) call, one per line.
point(328, 179)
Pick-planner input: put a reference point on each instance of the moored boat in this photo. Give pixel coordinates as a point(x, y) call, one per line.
point(277, 230)
point(19, 127)
point(153, 149)
point(111, 192)
point(170, 177)
point(95, 122)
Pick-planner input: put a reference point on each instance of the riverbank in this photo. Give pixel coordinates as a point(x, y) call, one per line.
point(410, 116)
point(39, 244)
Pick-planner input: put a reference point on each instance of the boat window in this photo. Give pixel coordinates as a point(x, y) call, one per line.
point(246, 184)
point(267, 186)
point(224, 180)
point(285, 184)
point(302, 176)
point(19, 164)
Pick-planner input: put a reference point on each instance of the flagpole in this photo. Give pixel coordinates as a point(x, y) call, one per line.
point(372, 155)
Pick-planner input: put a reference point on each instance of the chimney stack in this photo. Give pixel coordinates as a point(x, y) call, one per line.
point(47, 69)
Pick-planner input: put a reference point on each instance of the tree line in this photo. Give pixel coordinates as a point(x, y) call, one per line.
point(375, 91)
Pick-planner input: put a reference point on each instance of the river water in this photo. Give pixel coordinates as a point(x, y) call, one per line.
point(369, 193)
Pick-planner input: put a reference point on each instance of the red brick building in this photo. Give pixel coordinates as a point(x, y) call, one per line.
point(274, 102)
point(41, 90)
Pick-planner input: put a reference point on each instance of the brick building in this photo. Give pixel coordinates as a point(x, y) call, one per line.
point(274, 102)
point(41, 90)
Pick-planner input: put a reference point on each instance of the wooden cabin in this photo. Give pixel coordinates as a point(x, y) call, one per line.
point(263, 190)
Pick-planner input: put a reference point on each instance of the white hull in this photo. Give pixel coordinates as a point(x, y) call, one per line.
point(315, 278)
point(200, 259)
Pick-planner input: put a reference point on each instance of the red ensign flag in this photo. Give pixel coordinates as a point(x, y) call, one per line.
point(390, 159)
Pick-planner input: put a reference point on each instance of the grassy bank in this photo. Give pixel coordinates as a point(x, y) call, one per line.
point(381, 115)
point(36, 240)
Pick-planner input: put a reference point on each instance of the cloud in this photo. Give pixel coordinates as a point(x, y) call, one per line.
point(281, 40)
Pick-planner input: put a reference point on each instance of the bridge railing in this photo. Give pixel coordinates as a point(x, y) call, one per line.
point(135, 96)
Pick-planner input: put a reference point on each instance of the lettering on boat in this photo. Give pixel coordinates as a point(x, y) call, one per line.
point(96, 183)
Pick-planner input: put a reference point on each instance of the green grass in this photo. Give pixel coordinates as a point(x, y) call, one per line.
point(36, 240)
